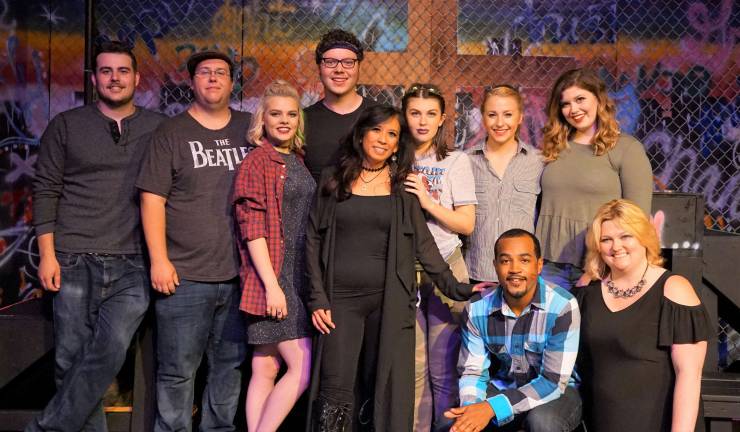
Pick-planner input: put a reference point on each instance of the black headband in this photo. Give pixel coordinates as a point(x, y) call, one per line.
point(343, 44)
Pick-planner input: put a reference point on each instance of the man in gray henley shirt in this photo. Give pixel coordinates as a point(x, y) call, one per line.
point(87, 221)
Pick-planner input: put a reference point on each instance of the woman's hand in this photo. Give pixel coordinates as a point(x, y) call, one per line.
point(415, 185)
point(584, 280)
point(322, 320)
point(482, 286)
point(276, 305)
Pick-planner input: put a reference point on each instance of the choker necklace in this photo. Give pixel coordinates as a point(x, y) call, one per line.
point(617, 293)
point(364, 187)
point(374, 169)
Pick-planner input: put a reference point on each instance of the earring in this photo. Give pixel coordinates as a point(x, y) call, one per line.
point(394, 158)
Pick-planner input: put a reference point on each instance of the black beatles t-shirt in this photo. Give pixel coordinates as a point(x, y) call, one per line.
point(325, 129)
point(194, 168)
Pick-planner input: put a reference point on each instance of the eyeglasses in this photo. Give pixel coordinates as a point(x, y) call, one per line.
point(206, 73)
point(331, 63)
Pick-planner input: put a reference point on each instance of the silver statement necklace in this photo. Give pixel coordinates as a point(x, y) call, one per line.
point(629, 292)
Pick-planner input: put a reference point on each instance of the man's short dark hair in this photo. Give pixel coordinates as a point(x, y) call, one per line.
point(115, 47)
point(518, 232)
point(338, 38)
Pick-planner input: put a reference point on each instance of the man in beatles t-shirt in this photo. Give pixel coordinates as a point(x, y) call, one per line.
point(186, 182)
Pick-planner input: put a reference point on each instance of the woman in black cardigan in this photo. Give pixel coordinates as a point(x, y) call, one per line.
point(364, 235)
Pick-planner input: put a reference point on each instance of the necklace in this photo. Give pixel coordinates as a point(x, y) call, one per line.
point(364, 186)
point(617, 293)
point(375, 169)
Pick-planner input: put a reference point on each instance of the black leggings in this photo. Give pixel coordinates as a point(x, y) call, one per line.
point(357, 321)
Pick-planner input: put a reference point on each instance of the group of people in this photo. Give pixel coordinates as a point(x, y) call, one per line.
point(404, 285)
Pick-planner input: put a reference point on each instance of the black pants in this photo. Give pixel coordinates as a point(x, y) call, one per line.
point(357, 321)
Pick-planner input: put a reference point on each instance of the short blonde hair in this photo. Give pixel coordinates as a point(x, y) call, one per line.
point(630, 218)
point(256, 132)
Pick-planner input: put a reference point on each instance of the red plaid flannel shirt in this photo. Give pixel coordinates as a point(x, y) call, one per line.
point(258, 200)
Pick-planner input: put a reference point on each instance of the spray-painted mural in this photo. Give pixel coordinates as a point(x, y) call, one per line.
point(672, 67)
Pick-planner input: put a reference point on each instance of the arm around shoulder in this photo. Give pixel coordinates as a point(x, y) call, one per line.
point(428, 255)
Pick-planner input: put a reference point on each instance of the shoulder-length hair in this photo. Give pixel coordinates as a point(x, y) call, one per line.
point(557, 130)
point(429, 91)
point(351, 153)
point(630, 218)
point(256, 132)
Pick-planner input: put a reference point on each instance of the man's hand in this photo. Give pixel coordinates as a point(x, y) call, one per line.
point(50, 274)
point(322, 320)
point(471, 418)
point(164, 277)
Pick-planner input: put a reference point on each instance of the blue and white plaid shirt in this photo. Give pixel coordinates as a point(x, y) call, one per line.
point(527, 360)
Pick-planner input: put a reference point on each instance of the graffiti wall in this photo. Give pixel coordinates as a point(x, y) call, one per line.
point(671, 66)
point(40, 75)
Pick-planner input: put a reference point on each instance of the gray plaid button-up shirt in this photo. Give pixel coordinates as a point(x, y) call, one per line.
point(503, 203)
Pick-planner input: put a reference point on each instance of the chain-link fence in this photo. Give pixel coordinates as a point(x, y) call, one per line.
point(671, 66)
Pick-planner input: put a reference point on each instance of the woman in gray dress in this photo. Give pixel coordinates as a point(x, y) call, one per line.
point(588, 162)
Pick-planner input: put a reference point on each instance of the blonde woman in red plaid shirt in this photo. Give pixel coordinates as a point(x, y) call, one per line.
point(272, 197)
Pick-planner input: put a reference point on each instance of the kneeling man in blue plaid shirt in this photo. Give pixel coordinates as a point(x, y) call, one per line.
point(519, 345)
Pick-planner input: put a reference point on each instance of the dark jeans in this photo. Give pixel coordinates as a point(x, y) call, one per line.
point(97, 310)
point(199, 318)
point(357, 321)
point(560, 415)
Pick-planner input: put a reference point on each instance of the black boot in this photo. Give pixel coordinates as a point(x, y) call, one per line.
point(330, 416)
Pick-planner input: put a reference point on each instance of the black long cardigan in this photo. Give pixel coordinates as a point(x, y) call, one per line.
point(409, 239)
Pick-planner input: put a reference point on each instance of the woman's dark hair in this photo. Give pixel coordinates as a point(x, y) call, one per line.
point(351, 154)
point(429, 91)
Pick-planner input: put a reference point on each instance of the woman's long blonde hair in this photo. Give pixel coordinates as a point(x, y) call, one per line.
point(256, 132)
point(632, 219)
point(557, 131)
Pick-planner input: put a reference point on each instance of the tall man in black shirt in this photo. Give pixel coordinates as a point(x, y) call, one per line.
point(186, 183)
point(86, 217)
point(338, 55)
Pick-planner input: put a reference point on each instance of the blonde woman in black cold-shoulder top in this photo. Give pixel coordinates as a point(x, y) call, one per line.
point(643, 330)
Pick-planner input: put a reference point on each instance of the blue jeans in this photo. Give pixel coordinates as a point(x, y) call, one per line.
point(560, 415)
point(97, 310)
point(199, 318)
point(561, 274)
